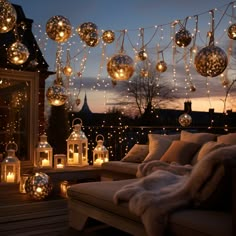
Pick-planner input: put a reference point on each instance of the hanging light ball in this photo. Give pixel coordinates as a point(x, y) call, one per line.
point(192, 88)
point(120, 67)
point(84, 29)
point(211, 61)
point(59, 29)
point(232, 32)
point(142, 55)
point(161, 66)
point(78, 101)
point(144, 73)
point(67, 70)
point(183, 38)
point(8, 16)
point(38, 186)
point(185, 120)
point(17, 53)
point(56, 94)
point(108, 36)
point(92, 39)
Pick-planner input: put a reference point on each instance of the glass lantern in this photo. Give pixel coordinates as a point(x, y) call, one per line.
point(77, 146)
point(10, 167)
point(43, 153)
point(59, 161)
point(100, 153)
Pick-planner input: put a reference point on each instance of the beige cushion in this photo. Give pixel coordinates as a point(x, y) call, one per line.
point(205, 149)
point(158, 144)
point(199, 138)
point(137, 153)
point(181, 152)
point(227, 138)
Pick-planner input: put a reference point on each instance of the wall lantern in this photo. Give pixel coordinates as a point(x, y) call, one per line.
point(77, 146)
point(59, 161)
point(43, 153)
point(10, 167)
point(100, 153)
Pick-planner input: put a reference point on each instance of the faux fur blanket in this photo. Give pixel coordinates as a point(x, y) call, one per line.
point(163, 188)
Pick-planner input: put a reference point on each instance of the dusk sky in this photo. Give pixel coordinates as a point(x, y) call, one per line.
point(131, 15)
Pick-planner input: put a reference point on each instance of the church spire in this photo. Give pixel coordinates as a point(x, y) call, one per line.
point(85, 108)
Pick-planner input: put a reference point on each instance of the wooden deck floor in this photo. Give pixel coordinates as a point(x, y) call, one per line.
point(22, 216)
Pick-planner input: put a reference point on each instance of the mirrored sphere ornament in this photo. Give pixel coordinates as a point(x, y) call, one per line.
point(108, 36)
point(211, 61)
point(56, 94)
point(38, 186)
point(120, 67)
point(161, 66)
point(84, 29)
point(142, 55)
point(8, 16)
point(59, 29)
point(17, 53)
point(232, 31)
point(183, 38)
point(185, 120)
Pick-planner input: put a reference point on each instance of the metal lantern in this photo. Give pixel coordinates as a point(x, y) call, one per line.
point(108, 36)
point(120, 67)
point(43, 153)
point(77, 146)
point(59, 161)
point(232, 31)
point(38, 186)
point(183, 38)
point(211, 61)
point(8, 16)
point(161, 66)
point(59, 29)
point(185, 120)
point(100, 153)
point(10, 166)
point(17, 53)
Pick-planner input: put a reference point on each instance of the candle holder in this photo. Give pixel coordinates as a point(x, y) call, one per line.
point(59, 161)
point(23, 180)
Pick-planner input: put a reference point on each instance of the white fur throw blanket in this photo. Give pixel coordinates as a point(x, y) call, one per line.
point(163, 188)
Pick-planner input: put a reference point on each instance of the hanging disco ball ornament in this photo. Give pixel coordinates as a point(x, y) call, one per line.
point(92, 39)
point(108, 36)
point(232, 32)
point(161, 66)
point(38, 186)
point(67, 70)
point(86, 28)
point(59, 29)
point(185, 120)
point(8, 16)
point(142, 55)
point(120, 67)
point(17, 53)
point(211, 61)
point(183, 38)
point(56, 94)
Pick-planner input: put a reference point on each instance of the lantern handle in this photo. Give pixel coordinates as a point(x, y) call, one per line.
point(81, 122)
point(16, 146)
point(99, 135)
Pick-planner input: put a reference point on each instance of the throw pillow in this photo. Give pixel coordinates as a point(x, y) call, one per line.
point(136, 154)
point(199, 138)
point(181, 152)
point(227, 138)
point(158, 144)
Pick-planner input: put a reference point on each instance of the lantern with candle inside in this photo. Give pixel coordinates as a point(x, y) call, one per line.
point(59, 161)
point(10, 166)
point(43, 153)
point(77, 146)
point(100, 153)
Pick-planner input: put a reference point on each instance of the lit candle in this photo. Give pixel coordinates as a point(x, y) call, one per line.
point(60, 165)
point(76, 158)
point(45, 162)
point(10, 177)
point(98, 161)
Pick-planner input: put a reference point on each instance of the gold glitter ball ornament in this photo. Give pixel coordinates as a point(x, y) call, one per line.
point(211, 61)
point(92, 39)
point(38, 186)
point(8, 16)
point(108, 36)
point(86, 28)
point(232, 31)
point(17, 53)
point(120, 67)
point(142, 55)
point(67, 70)
point(185, 120)
point(161, 66)
point(183, 38)
point(59, 29)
